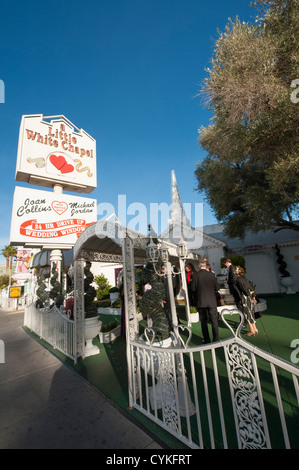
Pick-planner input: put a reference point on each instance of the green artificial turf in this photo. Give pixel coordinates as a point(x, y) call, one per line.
point(277, 327)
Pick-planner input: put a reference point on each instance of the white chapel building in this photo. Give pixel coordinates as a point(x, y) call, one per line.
point(258, 249)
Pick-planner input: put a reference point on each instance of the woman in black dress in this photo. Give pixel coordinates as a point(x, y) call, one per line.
point(248, 300)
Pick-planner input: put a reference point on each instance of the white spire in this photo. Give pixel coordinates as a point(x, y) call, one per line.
point(178, 215)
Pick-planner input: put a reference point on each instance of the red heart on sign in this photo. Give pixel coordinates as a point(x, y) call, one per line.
point(67, 168)
point(58, 161)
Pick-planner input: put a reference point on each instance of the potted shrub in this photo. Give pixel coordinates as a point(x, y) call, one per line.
point(107, 307)
point(109, 332)
point(42, 295)
point(56, 292)
point(105, 303)
point(286, 279)
point(194, 316)
point(117, 304)
point(114, 294)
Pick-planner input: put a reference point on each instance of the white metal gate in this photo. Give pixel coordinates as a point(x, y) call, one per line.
point(52, 326)
point(228, 394)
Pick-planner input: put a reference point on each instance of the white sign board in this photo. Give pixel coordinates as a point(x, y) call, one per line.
point(47, 219)
point(53, 151)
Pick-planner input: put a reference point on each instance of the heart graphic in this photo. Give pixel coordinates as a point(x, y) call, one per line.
point(59, 207)
point(58, 161)
point(67, 168)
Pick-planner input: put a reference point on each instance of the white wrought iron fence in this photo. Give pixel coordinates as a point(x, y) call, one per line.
point(53, 326)
point(228, 394)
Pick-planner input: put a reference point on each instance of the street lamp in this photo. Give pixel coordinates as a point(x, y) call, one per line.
point(182, 249)
point(152, 252)
point(164, 253)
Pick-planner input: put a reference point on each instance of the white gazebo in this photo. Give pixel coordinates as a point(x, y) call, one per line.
point(122, 244)
point(113, 242)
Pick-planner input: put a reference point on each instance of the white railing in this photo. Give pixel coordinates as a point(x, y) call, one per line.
point(228, 394)
point(52, 326)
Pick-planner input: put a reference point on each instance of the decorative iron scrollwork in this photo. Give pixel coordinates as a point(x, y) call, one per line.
point(246, 400)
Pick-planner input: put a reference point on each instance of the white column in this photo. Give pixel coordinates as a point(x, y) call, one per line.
point(79, 334)
point(131, 322)
point(56, 257)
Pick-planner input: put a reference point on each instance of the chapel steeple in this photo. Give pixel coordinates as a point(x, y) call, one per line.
point(178, 215)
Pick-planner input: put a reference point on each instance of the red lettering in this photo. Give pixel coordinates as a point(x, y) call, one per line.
point(30, 134)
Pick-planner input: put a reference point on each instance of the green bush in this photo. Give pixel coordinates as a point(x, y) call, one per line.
point(193, 310)
point(4, 281)
point(104, 303)
point(109, 326)
point(41, 293)
point(103, 287)
point(113, 289)
point(56, 292)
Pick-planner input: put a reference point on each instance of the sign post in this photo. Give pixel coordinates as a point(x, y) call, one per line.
point(53, 153)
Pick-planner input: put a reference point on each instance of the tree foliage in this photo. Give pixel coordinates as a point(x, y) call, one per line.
point(90, 309)
point(41, 294)
point(56, 292)
point(4, 281)
point(151, 304)
point(251, 172)
point(9, 252)
point(103, 287)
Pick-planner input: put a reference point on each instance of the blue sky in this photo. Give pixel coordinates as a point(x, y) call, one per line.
point(127, 72)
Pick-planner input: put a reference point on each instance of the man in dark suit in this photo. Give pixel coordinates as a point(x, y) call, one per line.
point(206, 287)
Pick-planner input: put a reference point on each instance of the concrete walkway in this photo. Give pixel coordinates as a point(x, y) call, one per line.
point(45, 405)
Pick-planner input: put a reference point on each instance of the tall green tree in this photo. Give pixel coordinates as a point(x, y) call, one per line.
point(6, 253)
point(250, 175)
point(9, 252)
point(4, 281)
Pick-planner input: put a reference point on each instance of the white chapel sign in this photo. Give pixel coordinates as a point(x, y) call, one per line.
point(44, 218)
point(52, 150)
